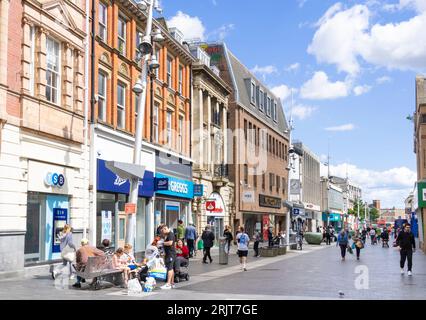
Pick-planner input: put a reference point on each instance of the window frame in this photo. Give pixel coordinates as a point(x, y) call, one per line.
point(180, 80)
point(155, 118)
point(122, 107)
point(102, 97)
point(169, 125)
point(123, 20)
point(57, 73)
point(169, 63)
point(253, 93)
point(180, 133)
point(103, 24)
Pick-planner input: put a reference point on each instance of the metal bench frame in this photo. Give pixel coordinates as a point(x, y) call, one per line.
point(97, 268)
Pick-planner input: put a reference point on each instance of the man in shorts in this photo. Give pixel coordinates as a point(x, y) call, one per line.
point(243, 242)
point(169, 256)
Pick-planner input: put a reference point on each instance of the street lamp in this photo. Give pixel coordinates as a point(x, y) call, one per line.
point(146, 49)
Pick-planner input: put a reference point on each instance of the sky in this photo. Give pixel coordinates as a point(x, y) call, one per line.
point(351, 66)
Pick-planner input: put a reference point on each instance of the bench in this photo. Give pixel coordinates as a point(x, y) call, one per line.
point(98, 268)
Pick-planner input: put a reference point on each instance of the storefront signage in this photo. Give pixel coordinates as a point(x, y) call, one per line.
point(270, 202)
point(331, 217)
point(198, 190)
point(215, 205)
point(421, 187)
point(298, 212)
point(161, 184)
point(106, 224)
point(54, 179)
point(110, 182)
point(248, 196)
point(130, 208)
point(177, 187)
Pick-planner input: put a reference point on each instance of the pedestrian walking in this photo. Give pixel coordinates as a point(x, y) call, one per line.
point(190, 238)
point(357, 244)
point(180, 230)
point(208, 241)
point(243, 243)
point(328, 236)
point(385, 238)
point(68, 251)
point(270, 237)
point(169, 256)
point(407, 245)
point(256, 239)
point(342, 242)
point(227, 233)
point(373, 236)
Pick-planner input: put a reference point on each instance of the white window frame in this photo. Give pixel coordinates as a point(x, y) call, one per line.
point(268, 109)
point(253, 93)
point(180, 86)
point(124, 37)
point(180, 137)
point(57, 73)
point(169, 119)
point(32, 61)
point(139, 36)
point(121, 107)
point(261, 99)
point(169, 74)
point(103, 24)
point(155, 121)
point(275, 111)
point(157, 54)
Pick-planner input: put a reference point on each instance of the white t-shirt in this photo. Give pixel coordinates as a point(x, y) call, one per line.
point(243, 240)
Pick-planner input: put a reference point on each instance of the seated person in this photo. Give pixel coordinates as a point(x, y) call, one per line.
point(106, 247)
point(119, 263)
point(82, 256)
point(182, 255)
point(129, 258)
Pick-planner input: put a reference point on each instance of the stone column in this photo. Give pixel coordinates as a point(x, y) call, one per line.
point(27, 73)
point(201, 128)
point(67, 76)
point(4, 26)
point(209, 132)
point(225, 134)
point(40, 75)
point(79, 81)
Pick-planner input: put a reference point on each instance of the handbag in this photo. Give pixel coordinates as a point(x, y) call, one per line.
point(359, 244)
point(353, 245)
point(68, 254)
point(350, 250)
point(133, 286)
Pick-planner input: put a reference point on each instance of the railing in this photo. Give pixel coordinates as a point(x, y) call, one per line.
point(221, 171)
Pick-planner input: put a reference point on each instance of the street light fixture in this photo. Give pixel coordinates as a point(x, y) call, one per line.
point(153, 63)
point(157, 36)
point(138, 87)
point(142, 5)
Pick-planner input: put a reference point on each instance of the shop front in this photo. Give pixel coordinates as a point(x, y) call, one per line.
point(112, 195)
point(216, 213)
point(312, 212)
point(334, 219)
point(50, 190)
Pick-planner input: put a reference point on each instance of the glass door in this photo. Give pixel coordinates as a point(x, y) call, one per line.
point(172, 215)
point(32, 236)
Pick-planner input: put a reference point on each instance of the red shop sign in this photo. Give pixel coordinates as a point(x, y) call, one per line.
point(210, 205)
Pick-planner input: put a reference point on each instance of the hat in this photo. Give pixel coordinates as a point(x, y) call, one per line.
point(84, 241)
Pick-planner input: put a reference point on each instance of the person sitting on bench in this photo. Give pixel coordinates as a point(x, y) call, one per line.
point(82, 256)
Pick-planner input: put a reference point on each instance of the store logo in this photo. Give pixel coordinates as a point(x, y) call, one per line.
point(119, 181)
point(54, 180)
point(178, 187)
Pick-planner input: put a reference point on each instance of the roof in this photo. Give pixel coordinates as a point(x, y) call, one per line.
point(241, 74)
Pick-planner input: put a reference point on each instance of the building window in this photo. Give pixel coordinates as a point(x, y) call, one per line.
point(53, 76)
point(169, 71)
point(255, 178)
point(180, 89)
point(32, 62)
point(169, 129)
point(155, 123)
point(121, 106)
point(102, 89)
point(261, 96)
point(253, 93)
point(245, 174)
point(263, 181)
point(268, 108)
point(139, 36)
point(271, 181)
point(275, 112)
point(122, 36)
point(103, 22)
point(156, 70)
point(180, 134)
point(285, 153)
point(283, 185)
point(278, 184)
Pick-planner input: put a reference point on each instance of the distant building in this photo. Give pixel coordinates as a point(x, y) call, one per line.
point(376, 204)
point(390, 215)
point(351, 192)
point(332, 204)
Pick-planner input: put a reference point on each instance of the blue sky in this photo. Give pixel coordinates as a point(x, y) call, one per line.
point(351, 64)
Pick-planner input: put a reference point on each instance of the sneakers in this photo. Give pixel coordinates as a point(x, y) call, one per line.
point(402, 271)
point(245, 269)
point(173, 286)
point(410, 273)
point(166, 287)
point(76, 285)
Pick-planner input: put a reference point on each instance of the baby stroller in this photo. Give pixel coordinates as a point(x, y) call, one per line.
point(181, 272)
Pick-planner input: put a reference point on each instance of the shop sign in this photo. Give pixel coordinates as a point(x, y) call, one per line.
point(215, 205)
point(54, 179)
point(130, 208)
point(421, 189)
point(110, 182)
point(161, 184)
point(198, 190)
point(106, 224)
point(248, 196)
point(177, 187)
point(270, 202)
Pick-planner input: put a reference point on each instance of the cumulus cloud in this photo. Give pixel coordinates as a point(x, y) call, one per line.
point(344, 127)
point(346, 36)
point(293, 67)
point(417, 5)
point(264, 70)
point(301, 111)
point(283, 92)
point(390, 186)
point(383, 79)
point(359, 90)
point(320, 88)
point(191, 27)
point(221, 33)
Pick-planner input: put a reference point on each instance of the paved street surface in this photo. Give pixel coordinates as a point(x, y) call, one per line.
point(314, 273)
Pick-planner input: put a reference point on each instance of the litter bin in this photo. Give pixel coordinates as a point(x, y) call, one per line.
point(223, 256)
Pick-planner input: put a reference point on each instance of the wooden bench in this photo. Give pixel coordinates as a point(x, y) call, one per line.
point(98, 268)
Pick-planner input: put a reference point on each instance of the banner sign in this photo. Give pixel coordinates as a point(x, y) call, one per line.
point(106, 224)
point(177, 187)
point(198, 190)
point(161, 184)
point(130, 208)
point(270, 202)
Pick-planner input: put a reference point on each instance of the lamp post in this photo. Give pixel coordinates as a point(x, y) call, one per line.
point(146, 49)
point(290, 129)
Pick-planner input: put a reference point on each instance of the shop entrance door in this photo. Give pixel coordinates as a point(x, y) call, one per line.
point(32, 237)
point(172, 215)
point(216, 224)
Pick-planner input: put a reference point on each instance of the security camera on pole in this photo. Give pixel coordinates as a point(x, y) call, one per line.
point(146, 50)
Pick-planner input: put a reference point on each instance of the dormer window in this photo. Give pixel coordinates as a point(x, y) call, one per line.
point(268, 108)
point(261, 99)
point(275, 112)
point(253, 93)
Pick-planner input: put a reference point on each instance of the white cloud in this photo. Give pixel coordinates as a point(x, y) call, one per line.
point(359, 90)
point(302, 3)
point(417, 5)
point(191, 27)
point(264, 70)
point(383, 79)
point(283, 92)
point(221, 33)
point(301, 111)
point(293, 67)
point(344, 127)
point(319, 88)
point(345, 36)
point(390, 186)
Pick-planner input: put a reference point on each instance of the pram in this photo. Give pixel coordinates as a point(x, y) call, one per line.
point(181, 273)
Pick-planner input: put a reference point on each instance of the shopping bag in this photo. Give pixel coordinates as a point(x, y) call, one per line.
point(149, 284)
point(200, 244)
point(68, 254)
point(353, 246)
point(360, 245)
point(350, 250)
point(158, 273)
point(133, 286)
